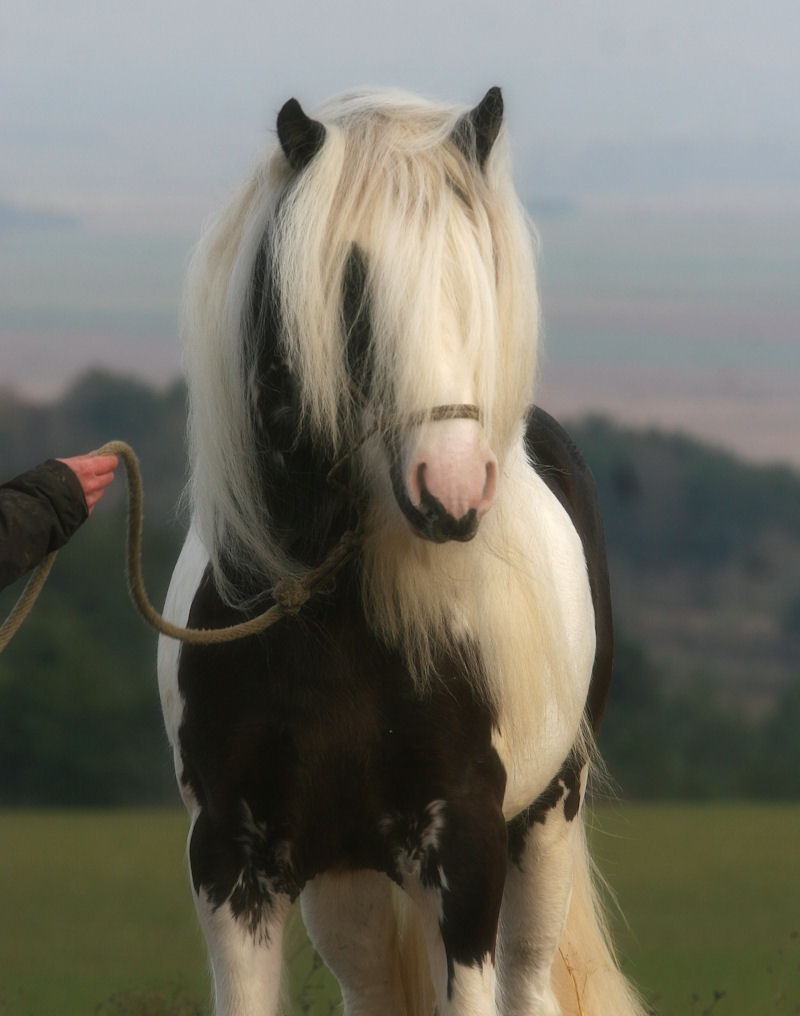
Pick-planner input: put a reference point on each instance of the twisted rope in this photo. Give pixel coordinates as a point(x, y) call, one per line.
point(26, 600)
point(290, 594)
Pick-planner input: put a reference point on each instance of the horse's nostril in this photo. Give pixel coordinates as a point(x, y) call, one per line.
point(416, 484)
point(489, 487)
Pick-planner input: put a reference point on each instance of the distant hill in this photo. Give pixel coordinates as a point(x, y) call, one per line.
point(705, 558)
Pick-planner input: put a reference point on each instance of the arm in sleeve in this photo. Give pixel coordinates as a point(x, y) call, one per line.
point(39, 512)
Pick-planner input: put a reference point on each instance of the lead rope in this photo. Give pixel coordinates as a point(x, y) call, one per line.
point(290, 594)
point(27, 598)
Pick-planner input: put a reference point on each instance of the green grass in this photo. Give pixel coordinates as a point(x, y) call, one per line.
point(93, 904)
point(711, 896)
point(96, 915)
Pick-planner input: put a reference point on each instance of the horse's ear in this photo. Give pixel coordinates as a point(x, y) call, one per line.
point(476, 132)
point(300, 136)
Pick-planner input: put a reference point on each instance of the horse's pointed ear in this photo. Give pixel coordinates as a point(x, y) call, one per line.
point(476, 132)
point(300, 136)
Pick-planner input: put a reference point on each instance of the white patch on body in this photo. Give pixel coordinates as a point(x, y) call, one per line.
point(186, 578)
point(473, 990)
point(247, 968)
point(542, 685)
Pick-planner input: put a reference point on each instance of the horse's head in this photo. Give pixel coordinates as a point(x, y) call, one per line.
point(411, 208)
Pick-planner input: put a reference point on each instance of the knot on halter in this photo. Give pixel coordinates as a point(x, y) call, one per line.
point(291, 594)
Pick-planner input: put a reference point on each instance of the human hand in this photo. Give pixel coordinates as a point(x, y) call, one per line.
point(94, 473)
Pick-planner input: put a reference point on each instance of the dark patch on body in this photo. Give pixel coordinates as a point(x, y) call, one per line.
point(564, 790)
point(317, 729)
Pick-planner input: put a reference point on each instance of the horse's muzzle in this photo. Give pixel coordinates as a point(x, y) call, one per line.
point(447, 483)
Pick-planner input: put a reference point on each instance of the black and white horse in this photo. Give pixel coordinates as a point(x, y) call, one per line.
point(426, 720)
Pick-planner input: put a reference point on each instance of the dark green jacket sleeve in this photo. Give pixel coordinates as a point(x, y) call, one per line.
point(39, 511)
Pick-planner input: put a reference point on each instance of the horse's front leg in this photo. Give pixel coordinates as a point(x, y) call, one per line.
point(454, 871)
point(542, 844)
point(240, 891)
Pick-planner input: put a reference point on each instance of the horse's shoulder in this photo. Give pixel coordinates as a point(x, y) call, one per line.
point(558, 461)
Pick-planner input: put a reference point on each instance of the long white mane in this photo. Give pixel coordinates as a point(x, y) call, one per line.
point(438, 232)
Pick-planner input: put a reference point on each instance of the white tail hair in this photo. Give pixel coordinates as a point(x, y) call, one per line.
point(586, 976)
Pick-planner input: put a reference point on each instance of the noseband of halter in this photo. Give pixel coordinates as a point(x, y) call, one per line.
point(452, 411)
point(459, 411)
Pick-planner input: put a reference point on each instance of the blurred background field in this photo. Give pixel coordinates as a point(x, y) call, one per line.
point(103, 921)
point(658, 156)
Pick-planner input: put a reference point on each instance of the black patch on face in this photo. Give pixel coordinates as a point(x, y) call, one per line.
point(306, 513)
point(355, 311)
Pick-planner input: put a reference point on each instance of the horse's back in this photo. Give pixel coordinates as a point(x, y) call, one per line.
point(556, 458)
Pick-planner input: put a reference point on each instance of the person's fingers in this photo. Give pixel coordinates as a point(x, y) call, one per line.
point(88, 465)
point(93, 478)
point(96, 484)
point(103, 463)
point(94, 473)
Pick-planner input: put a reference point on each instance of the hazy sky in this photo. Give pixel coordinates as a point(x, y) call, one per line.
point(657, 144)
point(144, 111)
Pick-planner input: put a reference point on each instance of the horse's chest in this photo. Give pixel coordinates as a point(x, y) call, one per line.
point(328, 740)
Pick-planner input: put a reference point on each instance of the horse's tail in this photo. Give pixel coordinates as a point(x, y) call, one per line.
point(586, 976)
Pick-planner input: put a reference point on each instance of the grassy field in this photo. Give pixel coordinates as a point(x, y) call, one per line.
point(96, 916)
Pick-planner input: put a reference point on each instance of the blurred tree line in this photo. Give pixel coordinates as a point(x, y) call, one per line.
point(687, 527)
point(693, 744)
